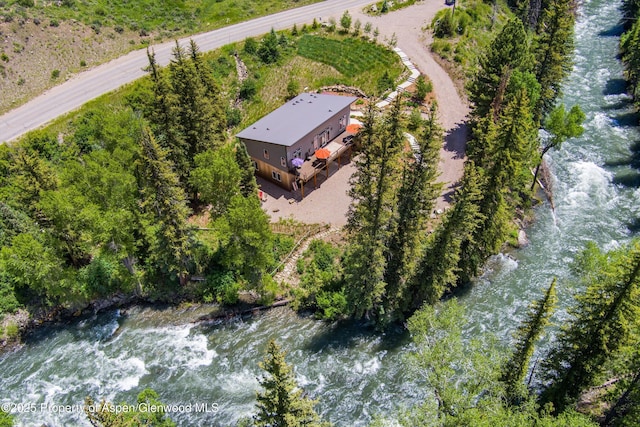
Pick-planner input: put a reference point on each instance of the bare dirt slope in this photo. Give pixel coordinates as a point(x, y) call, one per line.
point(30, 52)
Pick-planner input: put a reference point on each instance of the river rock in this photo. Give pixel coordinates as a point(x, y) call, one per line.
point(522, 239)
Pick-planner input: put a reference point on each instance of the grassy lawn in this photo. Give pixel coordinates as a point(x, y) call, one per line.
point(361, 63)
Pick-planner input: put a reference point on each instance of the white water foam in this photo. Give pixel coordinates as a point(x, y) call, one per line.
point(591, 183)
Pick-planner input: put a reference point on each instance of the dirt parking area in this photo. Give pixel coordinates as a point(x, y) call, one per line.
point(328, 203)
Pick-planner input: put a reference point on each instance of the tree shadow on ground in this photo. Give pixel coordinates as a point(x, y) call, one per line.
point(626, 119)
point(456, 140)
point(620, 105)
point(627, 178)
point(634, 225)
point(632, 160)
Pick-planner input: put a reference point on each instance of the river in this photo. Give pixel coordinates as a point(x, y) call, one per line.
point(355, 372)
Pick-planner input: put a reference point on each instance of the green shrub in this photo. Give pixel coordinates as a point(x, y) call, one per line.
point(12, 331)
point(221, 287)
point(55, 74)
point(324, 254)
point(293, 88)
point(248, 89)
point(234, 117)
point(101, 276)
point(300, 263)
point(331, 305)
point(268, 290)
point(385, 82)
point(443, 25)
point(415, 119)
point(282, 246)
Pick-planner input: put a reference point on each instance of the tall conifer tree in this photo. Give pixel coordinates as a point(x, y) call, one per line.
point(372, 207)
point(197, 113)
point(438, 268)
point(248, 185)
point(416, 197)
point(509, 51)
point(165, 120)
point(205, 73)
point(553, 50)
point(165, 201)
point(281, 403)
point(602, 323)
point(515, 369)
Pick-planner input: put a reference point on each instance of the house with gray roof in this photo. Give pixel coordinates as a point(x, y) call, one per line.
point(297, 129)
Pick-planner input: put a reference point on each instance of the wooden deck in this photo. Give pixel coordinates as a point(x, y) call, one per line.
point(312, 167)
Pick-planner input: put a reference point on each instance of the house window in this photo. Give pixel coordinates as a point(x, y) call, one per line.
point(265, 153)
point(276, 176)
point(255, 164)
point(325, 138)
point(343, 122)
point(298, 153)
point(283, 162)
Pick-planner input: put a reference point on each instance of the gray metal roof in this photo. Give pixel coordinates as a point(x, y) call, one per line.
point(295, 119)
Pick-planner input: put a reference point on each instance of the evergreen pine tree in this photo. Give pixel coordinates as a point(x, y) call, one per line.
point(372, 207)
point(197, 114)
point(165, 120)
point(602, 322)
point(438, 268)
point(415, 197)
point(248, 185)
point(508, 153)
point(515, 369)
point(625, 411)
point(509, 51)
point(269, 50)
point(205, 73)
point(630, 52)
point(165, 201)
point(553, 50)
point(281, 403)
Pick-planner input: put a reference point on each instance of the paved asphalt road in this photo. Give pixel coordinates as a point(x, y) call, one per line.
point(110, 76)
